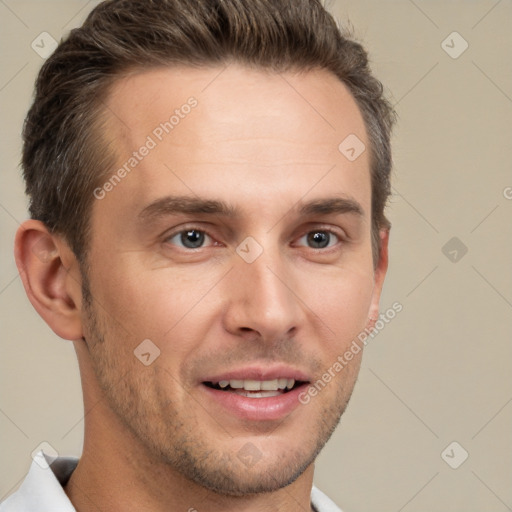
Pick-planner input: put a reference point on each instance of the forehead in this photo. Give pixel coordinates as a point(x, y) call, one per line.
point(232, 94)
point(233, 131)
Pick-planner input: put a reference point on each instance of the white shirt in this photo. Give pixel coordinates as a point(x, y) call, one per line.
point(42, 490)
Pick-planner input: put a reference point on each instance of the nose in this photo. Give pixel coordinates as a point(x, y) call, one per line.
point(262, 300)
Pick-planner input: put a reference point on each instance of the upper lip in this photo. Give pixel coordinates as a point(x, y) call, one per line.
point(260, 373)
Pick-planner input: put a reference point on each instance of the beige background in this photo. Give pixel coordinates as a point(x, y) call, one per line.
point(440, 371)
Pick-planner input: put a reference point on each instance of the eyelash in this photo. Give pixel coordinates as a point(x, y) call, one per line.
point(331, 232)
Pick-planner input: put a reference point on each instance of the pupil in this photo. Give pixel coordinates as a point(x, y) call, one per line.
point(192, 239)
point(318, 239)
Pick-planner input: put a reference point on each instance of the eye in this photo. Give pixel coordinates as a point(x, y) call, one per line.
point(190, 239)
point(319, 239)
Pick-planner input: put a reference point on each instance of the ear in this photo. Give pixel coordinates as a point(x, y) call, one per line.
point(378, 276)
point(51, 276)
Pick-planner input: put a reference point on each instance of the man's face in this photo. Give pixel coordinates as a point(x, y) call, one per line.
point(240, 245)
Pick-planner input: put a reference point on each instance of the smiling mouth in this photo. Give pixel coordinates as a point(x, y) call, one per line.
point(256, 388)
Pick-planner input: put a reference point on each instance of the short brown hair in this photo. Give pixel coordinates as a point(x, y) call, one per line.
point(64, 156)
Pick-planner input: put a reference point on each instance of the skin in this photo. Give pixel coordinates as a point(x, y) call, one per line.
point(265, 144)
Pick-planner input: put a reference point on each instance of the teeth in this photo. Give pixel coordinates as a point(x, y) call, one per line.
point(236, 384)
point(252, 385)
point(269, 385)
point(258, 385)
point(258, 394)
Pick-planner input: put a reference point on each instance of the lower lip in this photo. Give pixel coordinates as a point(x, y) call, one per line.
point(257, 409)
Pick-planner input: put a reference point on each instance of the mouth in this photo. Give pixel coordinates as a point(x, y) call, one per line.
point(250, 388)
point(255, 393)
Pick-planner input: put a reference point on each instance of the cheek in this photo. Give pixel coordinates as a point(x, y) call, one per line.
point(163, 305)
point(343, 304)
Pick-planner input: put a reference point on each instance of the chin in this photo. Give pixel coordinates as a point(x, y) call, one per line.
point(236, 478)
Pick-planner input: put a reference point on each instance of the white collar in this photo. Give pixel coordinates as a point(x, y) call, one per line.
point(42, 488)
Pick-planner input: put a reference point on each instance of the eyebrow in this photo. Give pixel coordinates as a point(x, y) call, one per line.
point(336, 205)
point(172, 205)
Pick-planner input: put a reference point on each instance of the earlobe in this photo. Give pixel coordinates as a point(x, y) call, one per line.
point(50, 274)
point(379, 275)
